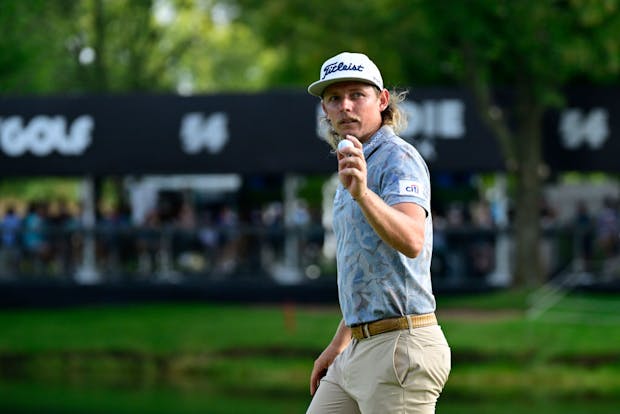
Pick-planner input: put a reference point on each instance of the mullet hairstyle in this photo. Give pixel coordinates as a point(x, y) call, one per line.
point(393, 116)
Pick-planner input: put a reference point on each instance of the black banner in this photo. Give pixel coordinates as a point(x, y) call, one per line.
point(160, 134)
point(585, 134)
point(272, 132)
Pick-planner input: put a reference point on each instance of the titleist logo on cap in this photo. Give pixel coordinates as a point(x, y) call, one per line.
point(346, 66)
point(340, 66)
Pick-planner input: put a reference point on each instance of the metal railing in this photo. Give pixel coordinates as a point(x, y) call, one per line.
point(104, 254)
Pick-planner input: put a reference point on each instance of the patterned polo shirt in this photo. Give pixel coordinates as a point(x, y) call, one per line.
point(375, 281)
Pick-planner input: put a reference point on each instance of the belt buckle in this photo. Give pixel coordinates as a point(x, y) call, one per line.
point(365, 330)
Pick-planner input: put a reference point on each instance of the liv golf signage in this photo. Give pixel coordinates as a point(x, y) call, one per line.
point(43, 135)
point(273, 133)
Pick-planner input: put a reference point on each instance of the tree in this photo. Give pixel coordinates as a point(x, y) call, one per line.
point(530, 49)
point(135, 45)
point(538, 48)
point(27, 46)
point(146, 45)
point(116, 46)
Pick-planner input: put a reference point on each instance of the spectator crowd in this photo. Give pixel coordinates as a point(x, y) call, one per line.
point(47, 239)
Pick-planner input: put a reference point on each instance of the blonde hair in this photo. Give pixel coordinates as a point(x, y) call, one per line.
point(393, 116)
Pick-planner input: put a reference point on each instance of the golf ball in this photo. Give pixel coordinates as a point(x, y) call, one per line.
point(344, 144)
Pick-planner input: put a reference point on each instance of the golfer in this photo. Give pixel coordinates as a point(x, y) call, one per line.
point(388, 355)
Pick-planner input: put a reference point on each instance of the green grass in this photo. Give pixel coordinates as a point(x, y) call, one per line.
point(183, 357)
point(54, 399)
point(164, 328)
point(51, 399)
point(489, 301)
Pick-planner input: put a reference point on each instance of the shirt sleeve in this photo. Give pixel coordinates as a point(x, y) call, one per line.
point(406, 178)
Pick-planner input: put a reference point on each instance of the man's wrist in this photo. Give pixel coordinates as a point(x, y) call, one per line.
point(360, 197)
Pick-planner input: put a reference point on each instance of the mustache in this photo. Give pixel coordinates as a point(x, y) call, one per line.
point(348, 119)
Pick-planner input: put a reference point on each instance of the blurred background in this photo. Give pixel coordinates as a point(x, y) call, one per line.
point(165, 198)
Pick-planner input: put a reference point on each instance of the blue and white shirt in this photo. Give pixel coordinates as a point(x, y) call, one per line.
point(375, 281)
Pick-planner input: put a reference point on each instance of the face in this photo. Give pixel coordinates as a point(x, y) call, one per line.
point(354, 108)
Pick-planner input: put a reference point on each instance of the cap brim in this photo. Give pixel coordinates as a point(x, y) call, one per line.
point(317, 88)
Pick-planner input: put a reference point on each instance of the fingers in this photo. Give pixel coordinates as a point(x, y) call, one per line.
point(356, 142)
point(315, 380)
point(314, 385)
point(349, 150)
point(352, 166)
point(350, 161)
point(351, 156)
point(318, 371)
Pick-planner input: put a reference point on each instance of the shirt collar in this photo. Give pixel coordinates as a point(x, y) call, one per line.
point(379, 137)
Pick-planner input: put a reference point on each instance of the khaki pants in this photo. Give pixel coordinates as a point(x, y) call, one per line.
point(399, 372)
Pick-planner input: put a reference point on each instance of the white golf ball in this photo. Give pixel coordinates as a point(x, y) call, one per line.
point(344, 144)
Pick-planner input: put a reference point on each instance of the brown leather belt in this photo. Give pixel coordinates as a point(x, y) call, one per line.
point(366, 330)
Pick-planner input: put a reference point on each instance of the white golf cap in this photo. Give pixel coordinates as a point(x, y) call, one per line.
point(346, 66)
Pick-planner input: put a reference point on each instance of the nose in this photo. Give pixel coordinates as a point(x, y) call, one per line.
point(346, 104)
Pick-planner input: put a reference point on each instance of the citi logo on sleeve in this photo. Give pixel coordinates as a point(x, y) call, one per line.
point(409, 187)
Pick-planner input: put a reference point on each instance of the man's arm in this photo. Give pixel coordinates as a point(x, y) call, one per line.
point(336, 346)
point(402, 225)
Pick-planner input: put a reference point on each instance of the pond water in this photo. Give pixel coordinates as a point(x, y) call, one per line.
point(41, 398)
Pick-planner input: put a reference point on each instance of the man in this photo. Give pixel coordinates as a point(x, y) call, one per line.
point(388, 355)
point(9, 242)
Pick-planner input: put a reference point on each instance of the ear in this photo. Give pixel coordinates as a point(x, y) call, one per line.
point(325, 113)
point(384, 99)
